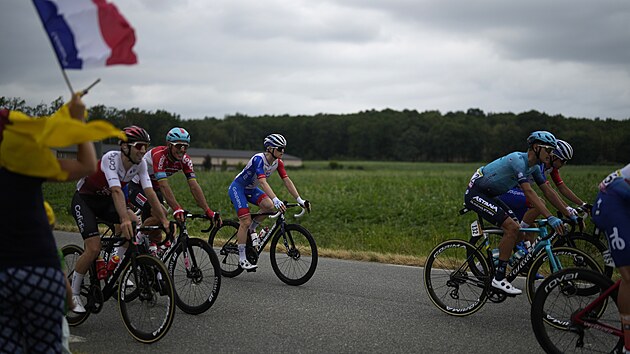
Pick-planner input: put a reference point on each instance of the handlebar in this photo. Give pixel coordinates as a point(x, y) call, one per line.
point(291, 205)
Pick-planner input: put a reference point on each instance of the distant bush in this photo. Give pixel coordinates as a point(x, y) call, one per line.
point(334, 165)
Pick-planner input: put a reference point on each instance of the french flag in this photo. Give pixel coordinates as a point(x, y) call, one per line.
point(87, 33)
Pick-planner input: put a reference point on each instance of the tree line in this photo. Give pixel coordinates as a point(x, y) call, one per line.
point(407, 135)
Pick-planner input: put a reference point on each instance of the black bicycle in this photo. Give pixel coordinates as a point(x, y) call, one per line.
point(140, 283)
point(292, 250)
point(575, 310)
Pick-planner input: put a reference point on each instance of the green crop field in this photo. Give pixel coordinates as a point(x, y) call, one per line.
point(388, 211)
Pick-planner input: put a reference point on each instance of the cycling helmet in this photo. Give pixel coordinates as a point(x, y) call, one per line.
point(275, 141)
point(542, 137)
point(178, 134)
point(135, 133)
point(563, 150)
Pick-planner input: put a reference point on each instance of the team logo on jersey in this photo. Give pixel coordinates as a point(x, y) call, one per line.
point(484, 204)
point(140, 199)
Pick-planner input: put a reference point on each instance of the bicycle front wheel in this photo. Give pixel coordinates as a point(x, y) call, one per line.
point(196, 276)
point(71, 254)
point(149, 313)
point(457, 277)
point(223, 241)
point(567, 257)
point(592, 246)
point(559, 299)
point(293, 255)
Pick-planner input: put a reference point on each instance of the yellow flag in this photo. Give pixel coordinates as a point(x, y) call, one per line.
point(26, 141)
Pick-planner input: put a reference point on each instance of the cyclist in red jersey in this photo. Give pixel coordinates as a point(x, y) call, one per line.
point(100, 195)
point(162, 162)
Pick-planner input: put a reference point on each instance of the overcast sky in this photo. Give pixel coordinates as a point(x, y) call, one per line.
point(211, 58)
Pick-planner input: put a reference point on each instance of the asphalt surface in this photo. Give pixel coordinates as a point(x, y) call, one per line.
point(347, 307)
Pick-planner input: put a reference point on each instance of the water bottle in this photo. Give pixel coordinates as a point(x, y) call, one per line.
point(495, 256)
point(101, 268)
point(153, 249)
point(166, 245)
point(520, 253)
point(112, 264)
point(255, 239)
point(262, 233)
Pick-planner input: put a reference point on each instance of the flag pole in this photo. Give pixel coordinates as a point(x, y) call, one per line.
point(63, 71)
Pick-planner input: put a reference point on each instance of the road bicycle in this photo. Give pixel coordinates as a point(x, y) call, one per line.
point(293, 251)
point(140, 283)
point(567, 318)
point(458, 274)
point(576, 238)
point(191, 262)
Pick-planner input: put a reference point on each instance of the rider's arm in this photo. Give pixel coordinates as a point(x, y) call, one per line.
point(167, 192)
point(563, 188)
point(290, 187)
point(266, 187)
point(531, 195)
point(554, 198)
point(156, 206)
point(85, 163)
point(120, 203)
point(197, 193)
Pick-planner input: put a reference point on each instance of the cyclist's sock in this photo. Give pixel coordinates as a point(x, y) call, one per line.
point(254, 225)
point(241, 252)
point(625, 323)
point(524, 225)
point(77, 280)
point(500, 273)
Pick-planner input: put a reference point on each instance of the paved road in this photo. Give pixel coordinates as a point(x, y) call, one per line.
point(346, 307)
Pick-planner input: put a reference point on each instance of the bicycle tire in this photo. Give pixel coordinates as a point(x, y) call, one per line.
point(447, 273)
point(294, 260)
point(569, 257)
point(149, 316)
point(557, 301)
point(592, 246)
point(196, 289)
point(71, 254)
point(223, 242)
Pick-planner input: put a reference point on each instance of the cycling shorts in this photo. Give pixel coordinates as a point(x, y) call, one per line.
point(491, 208)
point(86, 208)
point(515, 200)
point(240, 196)
point(139, 199)
point(611, 214)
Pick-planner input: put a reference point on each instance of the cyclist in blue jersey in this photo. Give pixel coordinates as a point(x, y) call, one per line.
point(498, 177)
point(611, 213)
point(525, 211)
point(251, 186)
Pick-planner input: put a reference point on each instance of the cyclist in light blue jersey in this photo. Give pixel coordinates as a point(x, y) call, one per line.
point(251, 186)
point(498, 177)
point(611, 213)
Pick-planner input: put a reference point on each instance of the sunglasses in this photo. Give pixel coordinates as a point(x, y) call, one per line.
point(139, 145)
point(547, 148)
point(562, 161)
point(179, 146)
point(281, 148)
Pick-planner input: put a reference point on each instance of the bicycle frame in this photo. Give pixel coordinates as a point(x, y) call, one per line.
point(580, 317)
point(278, 226)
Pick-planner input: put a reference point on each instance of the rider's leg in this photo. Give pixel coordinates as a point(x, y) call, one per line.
point(91, 252)
point(266, 206)
point(244, 222)
point(510, 235)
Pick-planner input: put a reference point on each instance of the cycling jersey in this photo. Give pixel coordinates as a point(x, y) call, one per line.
point(160, 166)
point(611, 213)
point(515, 197)
point(258, 167)
point(111, 173)
point(505, 173)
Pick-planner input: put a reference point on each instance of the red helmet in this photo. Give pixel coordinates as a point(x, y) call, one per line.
point(135, 133)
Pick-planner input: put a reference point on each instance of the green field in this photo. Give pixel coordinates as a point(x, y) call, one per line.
point(388, 211)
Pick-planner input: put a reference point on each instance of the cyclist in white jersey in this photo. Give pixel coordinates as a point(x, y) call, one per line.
point(245, 188)
point(100, 195)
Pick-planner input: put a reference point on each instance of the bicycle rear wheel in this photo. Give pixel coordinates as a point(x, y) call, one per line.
point(568, 257)
point(148, 315)
point(450, 280)
point(559, 298)
point(223, 241)
point(196, 286)
point(293, 255)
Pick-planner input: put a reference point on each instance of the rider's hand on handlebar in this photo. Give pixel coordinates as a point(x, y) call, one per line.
point(127, 229)
point(572, 212)
point(304, 204)
point(556, 224)
point(586, 207)
point(279, 204)
point(178, 214)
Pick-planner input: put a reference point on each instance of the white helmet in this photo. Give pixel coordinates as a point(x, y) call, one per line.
point(275, 141)
point(563, 150)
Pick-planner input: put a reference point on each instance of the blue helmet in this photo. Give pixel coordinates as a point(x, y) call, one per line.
point(542, 137)
point(178, 134)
